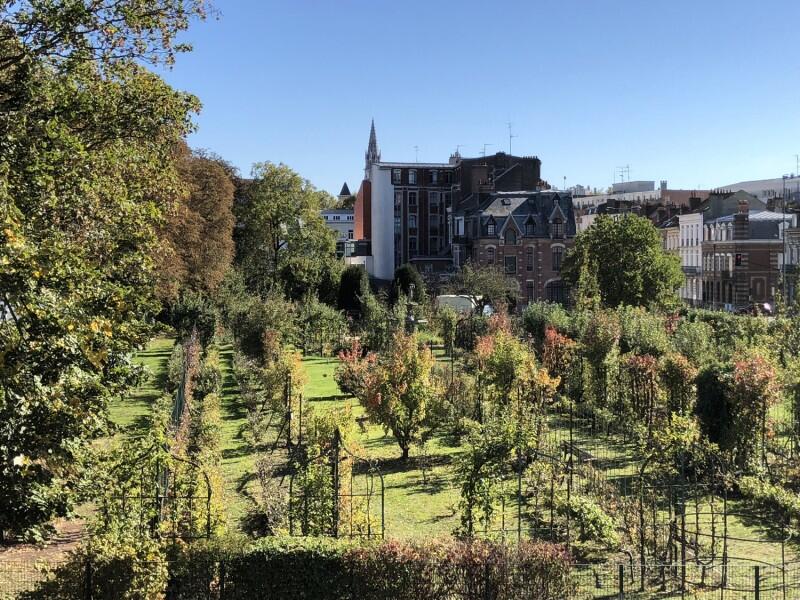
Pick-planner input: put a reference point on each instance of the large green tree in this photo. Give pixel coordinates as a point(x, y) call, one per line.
point(87, 148)
point(282, 240)
point(627, 258)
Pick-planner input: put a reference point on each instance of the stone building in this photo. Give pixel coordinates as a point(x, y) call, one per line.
point(524, 233)
point(741, 257)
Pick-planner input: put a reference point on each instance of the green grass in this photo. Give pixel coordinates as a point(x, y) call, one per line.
point(129, 414)
point(238, 462)
point(418, 503)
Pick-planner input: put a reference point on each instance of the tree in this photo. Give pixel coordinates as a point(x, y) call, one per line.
point(283, 242)
point(197, 236)
point(630, 263)
point(406, 276)
point(353, 286)
point(86, 166)
point(104, 32)
point(486, 286)
point(400, 388)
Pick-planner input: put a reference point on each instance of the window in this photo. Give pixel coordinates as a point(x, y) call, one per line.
point(529, 259)
point(490, 256)
point(412, 221)
point(397, 224)
point(349, 234)
point(558, 229)
point(490, 229)
point(412, 177)
point(557, 291)
point(558, 255)
point(412, 245)
point(530, 228)
point(511, 265)
point(530, 290)
point(412, 199)
point(336, 217)
point(398, 200)
point(433, 199)
point(434, 176)
point(510, 237)
point(396, 176)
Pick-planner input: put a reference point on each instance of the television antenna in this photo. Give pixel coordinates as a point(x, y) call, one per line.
point(510, 135)
point(483, 153)
point(416, 153)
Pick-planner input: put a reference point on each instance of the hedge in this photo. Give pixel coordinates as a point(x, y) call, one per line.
point(325, 569)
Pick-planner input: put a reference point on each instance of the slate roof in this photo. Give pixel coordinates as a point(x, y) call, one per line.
point(345, 190)
point(523, 207)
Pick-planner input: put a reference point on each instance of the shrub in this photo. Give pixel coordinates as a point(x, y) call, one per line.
point(693, 339)
point(175, 368)
point(321, 327)
point(353, 285)
point(643, 332)
point(127, 567)
point(209, 377)
point(783, 503)
point(191, 312)
point(539, 316)
point(328, 569)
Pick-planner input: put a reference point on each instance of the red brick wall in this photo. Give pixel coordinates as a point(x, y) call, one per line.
point(363, 211)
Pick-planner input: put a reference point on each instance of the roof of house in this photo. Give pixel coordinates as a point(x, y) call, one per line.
point(527, 207)
point(345, 190)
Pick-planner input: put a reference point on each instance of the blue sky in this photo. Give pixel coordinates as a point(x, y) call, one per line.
point(700, 93)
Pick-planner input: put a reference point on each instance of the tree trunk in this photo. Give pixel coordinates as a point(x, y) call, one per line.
point(405, 452)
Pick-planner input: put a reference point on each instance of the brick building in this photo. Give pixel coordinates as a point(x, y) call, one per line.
point(526, 234)
point(742, 256)
point(437, 215)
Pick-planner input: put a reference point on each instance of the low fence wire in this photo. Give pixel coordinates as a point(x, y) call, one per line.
point(218, 580)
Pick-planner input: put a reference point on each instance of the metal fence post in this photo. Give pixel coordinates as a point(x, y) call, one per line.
point(621, 579)
point(88, 579)
point(757, 581)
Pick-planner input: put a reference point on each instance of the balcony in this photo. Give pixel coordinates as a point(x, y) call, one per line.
point(691, 270)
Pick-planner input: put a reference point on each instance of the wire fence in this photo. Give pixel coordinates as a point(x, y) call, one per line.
point(215, 580)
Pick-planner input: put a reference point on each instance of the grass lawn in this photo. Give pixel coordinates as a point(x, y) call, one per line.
point(129, 413)
point(419, 503)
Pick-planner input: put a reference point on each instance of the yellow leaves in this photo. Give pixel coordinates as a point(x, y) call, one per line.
point(96, 357)
point(101, 326)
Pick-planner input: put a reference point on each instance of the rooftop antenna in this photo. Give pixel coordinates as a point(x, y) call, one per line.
point(458, 147)
point(797, 164)
point(483, 153)
point(510, 135)
point(416, 153)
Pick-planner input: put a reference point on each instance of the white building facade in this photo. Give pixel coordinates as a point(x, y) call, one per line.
point(690, 249)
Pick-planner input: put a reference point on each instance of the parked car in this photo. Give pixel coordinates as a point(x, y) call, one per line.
point(755, 308)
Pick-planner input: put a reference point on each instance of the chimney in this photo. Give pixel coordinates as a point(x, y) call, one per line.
point(694, 202)
point(744, 207)
point(663, 185)
point(741, 222)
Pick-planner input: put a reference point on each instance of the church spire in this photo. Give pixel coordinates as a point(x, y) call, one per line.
point(372, 155)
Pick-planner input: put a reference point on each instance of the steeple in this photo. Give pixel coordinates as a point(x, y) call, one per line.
point(372, 155)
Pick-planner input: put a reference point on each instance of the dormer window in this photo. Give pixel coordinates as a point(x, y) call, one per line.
point(530, 227)
point(557, 228)
point(490, 229)
point(396, 176)
point(510, 237)
point(412, 177)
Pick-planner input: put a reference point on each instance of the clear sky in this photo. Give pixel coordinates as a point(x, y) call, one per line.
point(701, 93)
